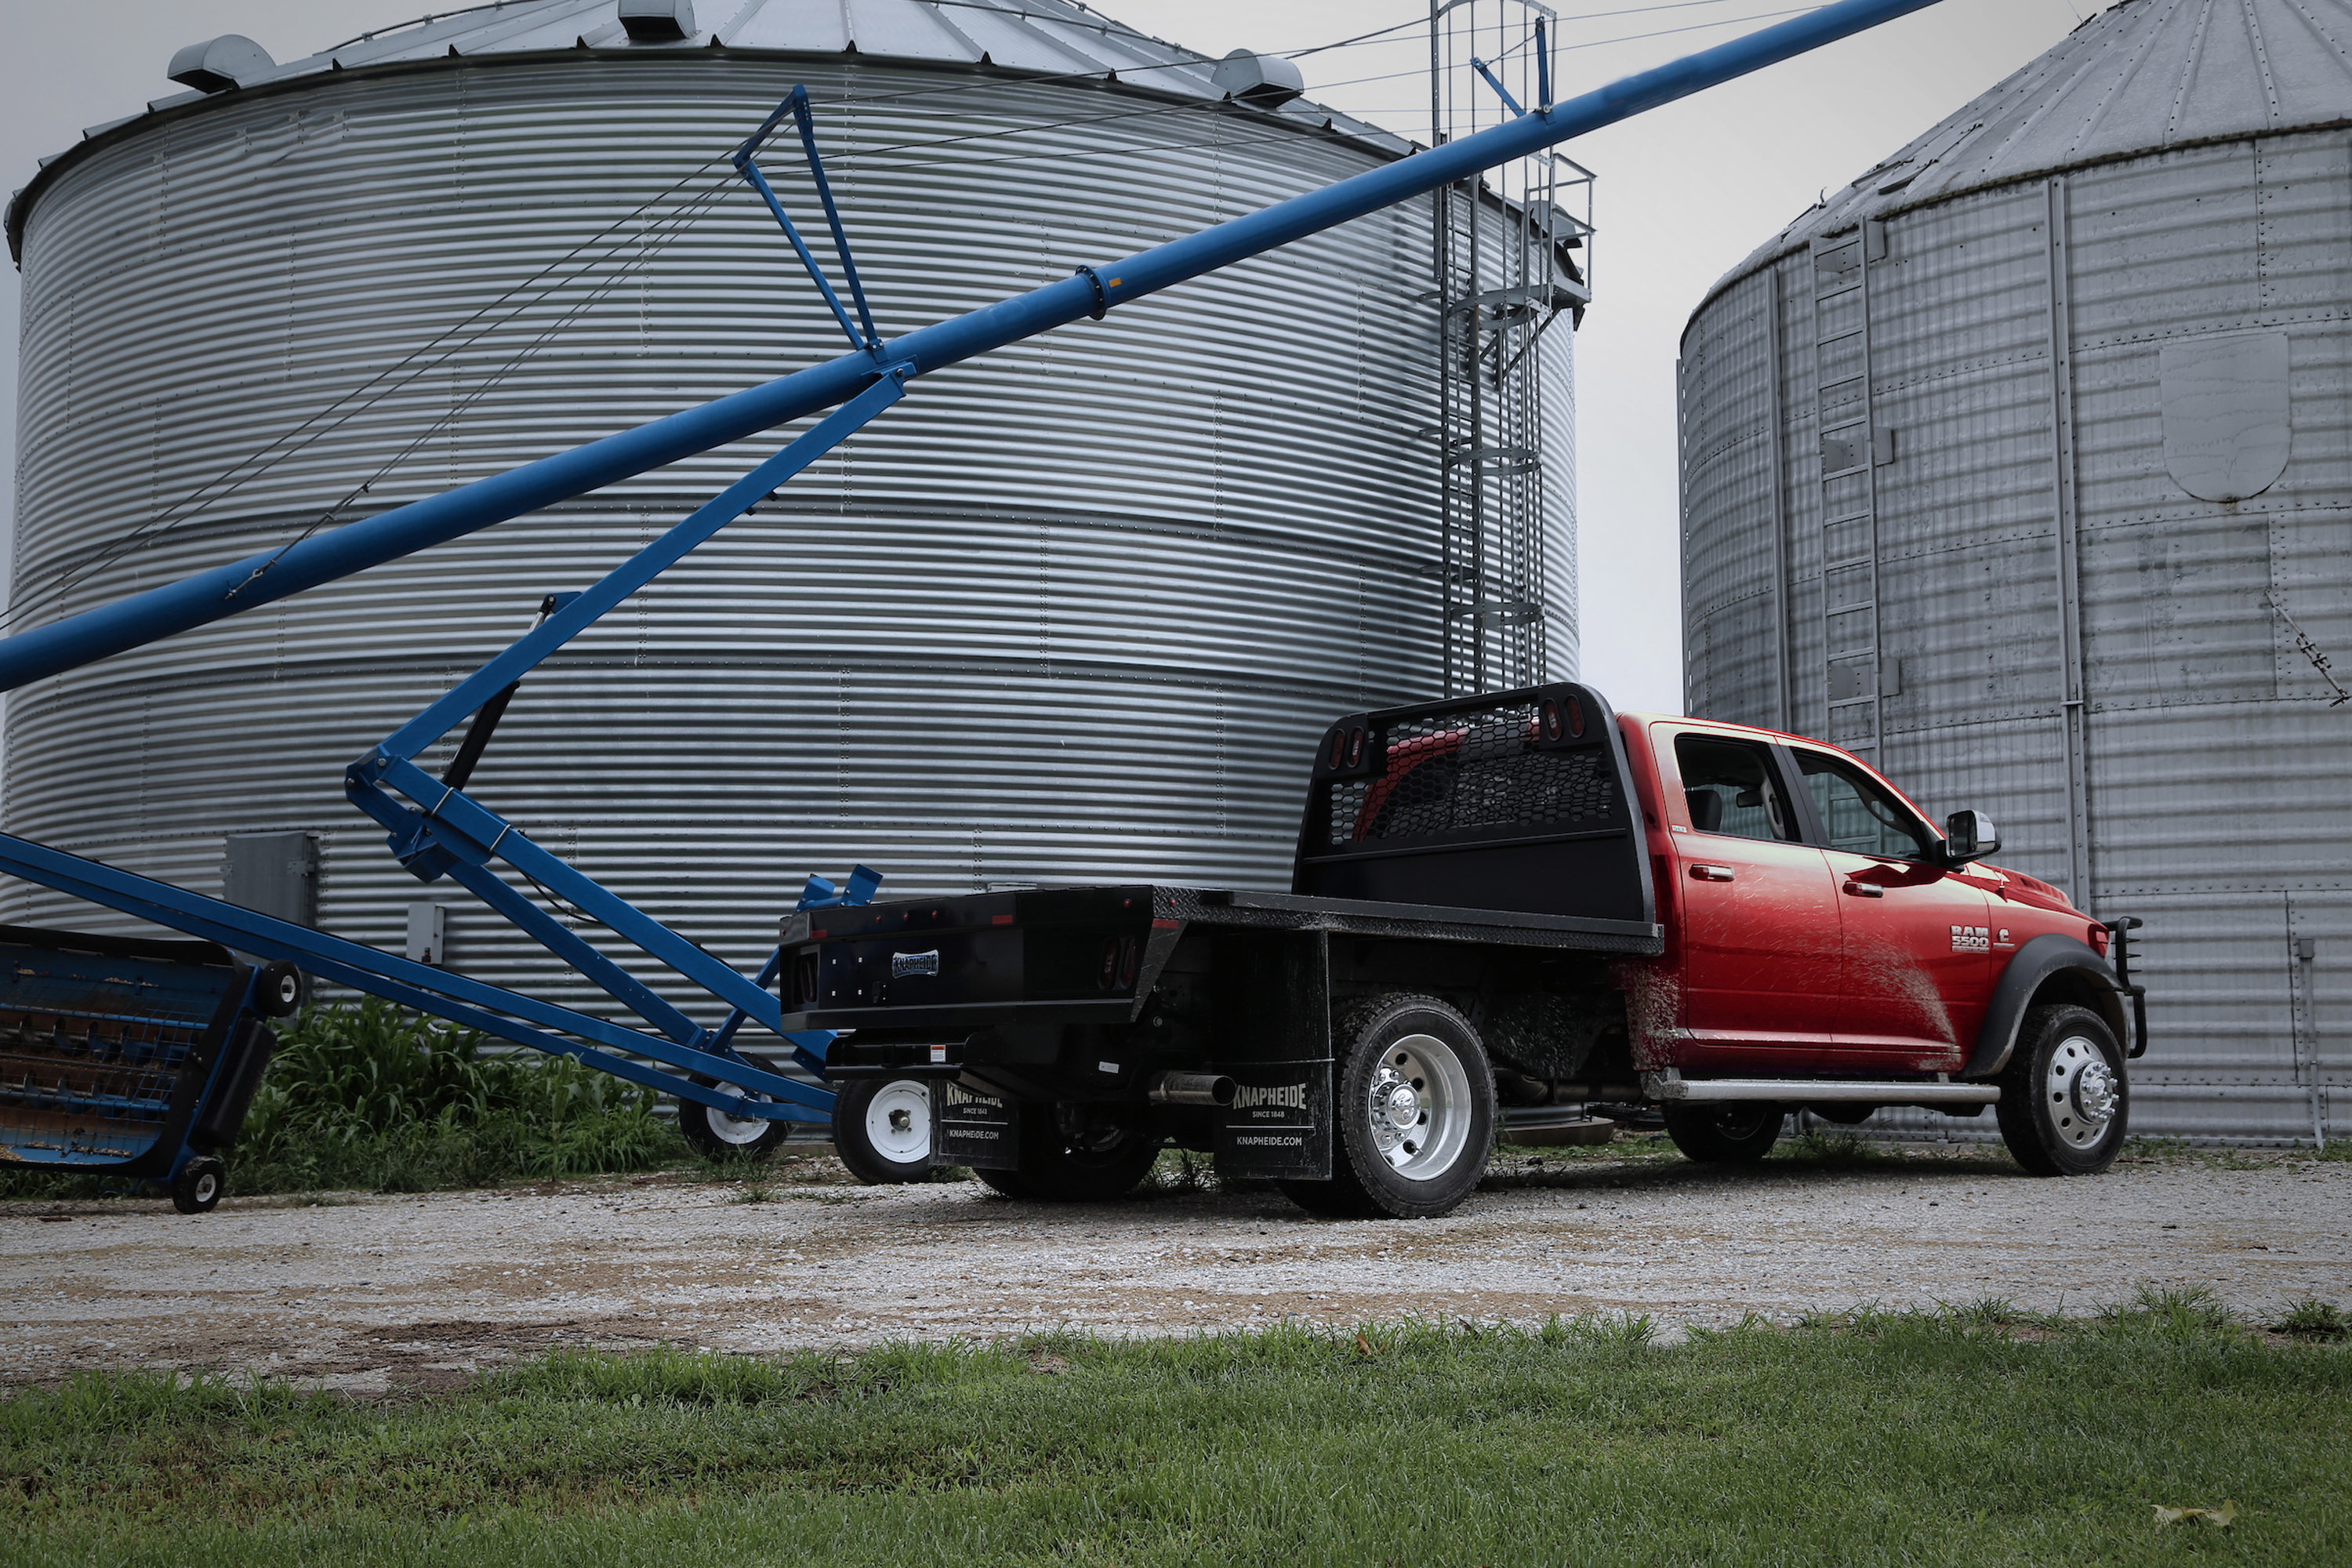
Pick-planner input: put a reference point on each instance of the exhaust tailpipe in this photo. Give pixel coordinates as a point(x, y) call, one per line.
point(1191, 1089)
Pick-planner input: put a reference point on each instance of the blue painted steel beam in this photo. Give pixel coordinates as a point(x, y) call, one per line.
point(1497, 83)
point(270, 575)
point(798, 103)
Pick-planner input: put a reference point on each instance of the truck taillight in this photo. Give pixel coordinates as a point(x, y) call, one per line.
point(1355, 747)
point(2099, 941)
point(1552, 722)
point(1338, 748)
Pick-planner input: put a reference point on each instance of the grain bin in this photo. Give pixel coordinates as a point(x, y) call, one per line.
point(2023, 466)
point(1074, 611)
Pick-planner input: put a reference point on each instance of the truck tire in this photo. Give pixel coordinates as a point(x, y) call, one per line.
point(1056, 1168)
point(1740, 1133)
point(1415, 1112)
point(2066, 1105)
point(715, 1136)
point(882, 1129)
point(199, 1186)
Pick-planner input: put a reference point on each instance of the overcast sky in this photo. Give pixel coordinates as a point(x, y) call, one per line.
point(1684, 193)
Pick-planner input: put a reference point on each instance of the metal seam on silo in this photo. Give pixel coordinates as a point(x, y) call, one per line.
point(2068, 561)
point(1784, 714)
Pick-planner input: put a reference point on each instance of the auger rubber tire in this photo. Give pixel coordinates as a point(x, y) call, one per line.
point(715, 1136)
point(278, 990)
point(200, 1185)
point(1055, 1169)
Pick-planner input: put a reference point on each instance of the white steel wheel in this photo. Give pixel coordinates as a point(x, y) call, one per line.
point(715, 1135)
point(882, 1129)
point(1419, 1107)
point(899, 1120)
point(738, 1131)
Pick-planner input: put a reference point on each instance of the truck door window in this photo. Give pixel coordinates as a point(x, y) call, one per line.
point(1860, 817)
point(1732, 789)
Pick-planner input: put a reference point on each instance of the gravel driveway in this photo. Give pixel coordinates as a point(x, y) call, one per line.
point(368, 1292)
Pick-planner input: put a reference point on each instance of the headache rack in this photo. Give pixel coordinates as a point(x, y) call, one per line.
point(1520, 801)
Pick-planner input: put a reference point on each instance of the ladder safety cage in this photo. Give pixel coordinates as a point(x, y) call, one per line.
point(1495, 495)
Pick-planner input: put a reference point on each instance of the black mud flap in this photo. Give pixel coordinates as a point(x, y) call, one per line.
point(1280, 1121)
point(222, 1118)
point(973, 1130)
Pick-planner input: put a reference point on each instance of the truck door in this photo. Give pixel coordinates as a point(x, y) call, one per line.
point(1917, 959)
point(1760, 937)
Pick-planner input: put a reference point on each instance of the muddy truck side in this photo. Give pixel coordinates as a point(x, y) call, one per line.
point(1517, 899)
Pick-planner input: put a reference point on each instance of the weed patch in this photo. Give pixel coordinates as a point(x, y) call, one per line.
point(2316, 1319)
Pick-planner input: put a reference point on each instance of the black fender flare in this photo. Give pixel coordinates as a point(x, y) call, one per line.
point(2091, 983)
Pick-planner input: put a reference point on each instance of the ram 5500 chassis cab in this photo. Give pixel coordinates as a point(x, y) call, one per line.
point(1519, 899)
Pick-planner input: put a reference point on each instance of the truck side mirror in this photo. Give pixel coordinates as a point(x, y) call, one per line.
point(1969, 835)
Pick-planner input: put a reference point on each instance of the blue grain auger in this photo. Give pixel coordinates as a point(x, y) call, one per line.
point(139, 1058)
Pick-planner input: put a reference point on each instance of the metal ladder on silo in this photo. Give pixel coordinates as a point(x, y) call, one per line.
point(1490, 431)
point(1853, 448)
point(1461, 422)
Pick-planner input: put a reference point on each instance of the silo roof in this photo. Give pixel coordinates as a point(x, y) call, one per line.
point(1054, 38)
point(2142, 77)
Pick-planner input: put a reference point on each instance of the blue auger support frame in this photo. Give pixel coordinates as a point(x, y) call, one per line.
point(443, 831)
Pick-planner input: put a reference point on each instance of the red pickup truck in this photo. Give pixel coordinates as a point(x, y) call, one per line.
point(1515, 898)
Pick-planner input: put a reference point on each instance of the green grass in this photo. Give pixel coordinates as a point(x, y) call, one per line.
point(1912, 1438)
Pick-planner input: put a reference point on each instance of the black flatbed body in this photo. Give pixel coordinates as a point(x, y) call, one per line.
point(1033, 954)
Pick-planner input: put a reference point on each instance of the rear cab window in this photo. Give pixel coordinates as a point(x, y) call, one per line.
point(1732, 788)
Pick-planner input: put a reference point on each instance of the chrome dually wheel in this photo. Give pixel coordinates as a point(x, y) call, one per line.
point(1413, 1112)
point(2065, 1101)
point(2083, 1091)
point(1417, 1105)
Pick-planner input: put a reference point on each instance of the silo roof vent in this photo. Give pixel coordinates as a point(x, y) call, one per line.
point(1262, 82)
point(657, 21)
point(218, 64)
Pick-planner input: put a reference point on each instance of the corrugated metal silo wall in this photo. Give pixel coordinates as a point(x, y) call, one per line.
point(2208, 787)
point(1073, 610)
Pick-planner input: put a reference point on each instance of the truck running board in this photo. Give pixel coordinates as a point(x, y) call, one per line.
point(1672, 1086)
